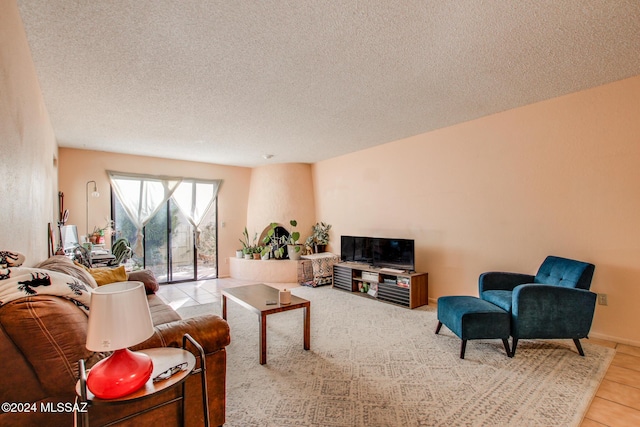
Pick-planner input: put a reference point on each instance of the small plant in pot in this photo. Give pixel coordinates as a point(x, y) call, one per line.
point(319, 237)
point(256, 251)
point(273, 245)
point(98, 234)
point(294, 249)
point(276, 244)
point(247, 246)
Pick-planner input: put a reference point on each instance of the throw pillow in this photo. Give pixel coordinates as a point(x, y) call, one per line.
point(106, 275)
point(147, 277)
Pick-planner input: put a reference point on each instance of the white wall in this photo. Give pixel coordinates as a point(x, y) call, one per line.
point(27, 143)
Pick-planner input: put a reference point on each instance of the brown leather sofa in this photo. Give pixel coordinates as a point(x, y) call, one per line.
point(42, 338)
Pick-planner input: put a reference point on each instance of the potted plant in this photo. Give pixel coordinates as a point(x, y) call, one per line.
point(97, 236)
point(265, 252)
point(294, 249)
point(256, 251)
point(319, 237)
point(247, 245)
point(276, 244)
point(273, 243)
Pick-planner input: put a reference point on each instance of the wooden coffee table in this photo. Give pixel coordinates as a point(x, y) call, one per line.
point(255, 297)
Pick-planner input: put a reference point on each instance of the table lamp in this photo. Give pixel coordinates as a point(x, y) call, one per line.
point(119, 317)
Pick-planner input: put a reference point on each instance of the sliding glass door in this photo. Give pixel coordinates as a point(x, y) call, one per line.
point(179, 240)
point(169, 249)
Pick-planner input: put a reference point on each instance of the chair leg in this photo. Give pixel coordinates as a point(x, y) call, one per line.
point(514, 344)
point(438, 328)
point(463, 347)
point(506, 347)
point(578, 346)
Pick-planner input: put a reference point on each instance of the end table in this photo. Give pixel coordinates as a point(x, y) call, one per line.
point(164, 359)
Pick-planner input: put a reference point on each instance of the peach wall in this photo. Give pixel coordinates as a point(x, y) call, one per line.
point(280, 193)
point(28, 167)
point(76, 167)
point(500, 193)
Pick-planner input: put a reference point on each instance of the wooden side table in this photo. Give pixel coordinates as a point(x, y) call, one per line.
point(163, 358)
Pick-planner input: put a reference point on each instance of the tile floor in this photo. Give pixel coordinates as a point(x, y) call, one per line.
point(617, 401)
point(204, 291)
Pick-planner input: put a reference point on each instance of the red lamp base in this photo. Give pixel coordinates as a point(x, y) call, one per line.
point(120, 374)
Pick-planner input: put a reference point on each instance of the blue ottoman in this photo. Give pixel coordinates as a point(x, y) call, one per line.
point(471, 318)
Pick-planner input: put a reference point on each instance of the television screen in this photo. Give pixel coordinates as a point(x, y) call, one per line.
point(347, 248)
point(378, 252)
point(356, 249)
point(393, 253)
point(362, 250)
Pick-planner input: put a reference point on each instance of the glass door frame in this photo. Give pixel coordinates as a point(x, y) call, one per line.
point(169, 273)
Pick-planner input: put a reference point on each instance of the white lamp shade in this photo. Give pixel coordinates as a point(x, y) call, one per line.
point(119, 317)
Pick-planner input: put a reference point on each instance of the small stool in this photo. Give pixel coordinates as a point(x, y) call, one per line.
point(471, 318)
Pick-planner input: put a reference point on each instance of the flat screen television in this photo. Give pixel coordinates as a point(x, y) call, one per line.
point(379, 252)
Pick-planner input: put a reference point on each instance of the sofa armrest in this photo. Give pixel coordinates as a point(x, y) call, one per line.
point(502, 281)
point(549, 311)
point(209, 330)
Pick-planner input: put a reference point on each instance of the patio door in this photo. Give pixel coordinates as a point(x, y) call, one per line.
point(179, 239)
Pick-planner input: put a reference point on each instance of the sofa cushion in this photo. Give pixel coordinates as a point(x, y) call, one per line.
point(51, 333)
point(161, 312)
point(500, 298)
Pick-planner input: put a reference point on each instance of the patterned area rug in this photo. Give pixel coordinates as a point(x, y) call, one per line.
point(375, 364)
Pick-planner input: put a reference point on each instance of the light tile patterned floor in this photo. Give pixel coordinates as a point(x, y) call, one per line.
point(617, 402)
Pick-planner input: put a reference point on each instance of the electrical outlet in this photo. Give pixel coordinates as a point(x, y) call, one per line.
point(602, 299)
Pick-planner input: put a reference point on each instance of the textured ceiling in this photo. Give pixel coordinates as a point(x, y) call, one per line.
point(228, 81)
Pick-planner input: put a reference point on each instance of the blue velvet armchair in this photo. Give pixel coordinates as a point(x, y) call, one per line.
point(554, 304)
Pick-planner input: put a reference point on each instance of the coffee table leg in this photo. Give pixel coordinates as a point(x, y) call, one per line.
point(307, 326)
point(263, 339)
point(224, 307)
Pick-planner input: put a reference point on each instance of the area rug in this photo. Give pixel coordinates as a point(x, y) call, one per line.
point(375, 364)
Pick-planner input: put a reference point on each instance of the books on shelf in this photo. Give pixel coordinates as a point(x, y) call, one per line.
point(403, 282)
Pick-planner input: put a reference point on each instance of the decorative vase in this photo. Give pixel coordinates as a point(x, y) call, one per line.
point(239, 254)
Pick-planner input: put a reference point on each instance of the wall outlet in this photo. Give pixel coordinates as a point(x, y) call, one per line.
point(602, 299)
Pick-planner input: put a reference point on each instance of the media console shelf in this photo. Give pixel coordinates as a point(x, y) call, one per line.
point(405, 289)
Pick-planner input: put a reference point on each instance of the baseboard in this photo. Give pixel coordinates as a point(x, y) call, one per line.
point(618, 340)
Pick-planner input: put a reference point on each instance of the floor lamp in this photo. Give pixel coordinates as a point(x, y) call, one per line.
point(94, 193)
